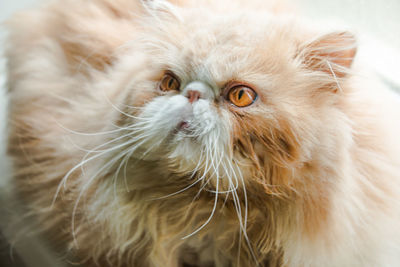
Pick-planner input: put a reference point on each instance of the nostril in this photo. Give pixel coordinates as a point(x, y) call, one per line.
point(193, 96)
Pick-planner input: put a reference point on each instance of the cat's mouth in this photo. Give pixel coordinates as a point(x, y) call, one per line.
point(183, 125)
point(185, 128)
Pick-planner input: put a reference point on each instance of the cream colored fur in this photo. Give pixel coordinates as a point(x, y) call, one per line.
point(306, 176)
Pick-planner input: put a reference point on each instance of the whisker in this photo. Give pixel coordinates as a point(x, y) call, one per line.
point(87, 134)
point(187, 187)
point(110, 163)
point(204, 175)
point(210, 217)
point(129, 155)
point(243, 222)
point(86, 160)
point(119, 110)
point(213, 154)
point(232, 187)
point(83, 190)
point(132, 107)
point(115, 176)
point(205, 172)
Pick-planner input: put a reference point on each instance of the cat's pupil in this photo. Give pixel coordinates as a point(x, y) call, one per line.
point(170, 83)
point(241, 94)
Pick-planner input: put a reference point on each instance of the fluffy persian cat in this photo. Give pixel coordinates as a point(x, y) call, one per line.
point(200, 133)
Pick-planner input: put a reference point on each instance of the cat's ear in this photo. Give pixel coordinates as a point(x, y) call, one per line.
point(332, 53)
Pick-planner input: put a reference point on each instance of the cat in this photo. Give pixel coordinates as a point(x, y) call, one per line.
point(200, 133)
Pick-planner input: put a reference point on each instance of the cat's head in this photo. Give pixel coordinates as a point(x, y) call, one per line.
point(225, 97)
point(220, 93)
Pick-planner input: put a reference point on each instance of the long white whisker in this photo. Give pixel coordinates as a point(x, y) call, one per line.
point(129, 154)
point(189, 186)
point(243, 222)
point(86, 160)
point(84, 188)
point(87, 134)
point(206, 172)
point(211, 215)
point(117, 109)
point(232, 187)
point(123, 154)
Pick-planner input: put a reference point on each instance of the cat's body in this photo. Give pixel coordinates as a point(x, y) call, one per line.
point(307, 173)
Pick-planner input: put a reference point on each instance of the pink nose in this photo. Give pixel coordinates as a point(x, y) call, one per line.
point(193, 95)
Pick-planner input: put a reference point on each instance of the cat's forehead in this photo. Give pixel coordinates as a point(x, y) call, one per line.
point(220, 48)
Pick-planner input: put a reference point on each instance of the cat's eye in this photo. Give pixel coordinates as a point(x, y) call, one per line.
point(242, 96)
point(169, 83)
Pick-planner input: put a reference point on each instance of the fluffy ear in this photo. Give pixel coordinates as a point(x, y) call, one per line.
point(331, 53)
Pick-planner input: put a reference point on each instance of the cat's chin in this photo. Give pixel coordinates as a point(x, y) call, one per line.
point(185, 131)
point(209, 164)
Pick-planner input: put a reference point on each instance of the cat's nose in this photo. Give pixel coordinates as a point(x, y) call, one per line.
point(197, 90)
point(193, 96)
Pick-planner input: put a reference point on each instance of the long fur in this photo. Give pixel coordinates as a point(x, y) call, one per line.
point(306, 176)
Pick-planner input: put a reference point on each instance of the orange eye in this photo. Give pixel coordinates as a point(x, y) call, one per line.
point(169, 82)
point(242, 96)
